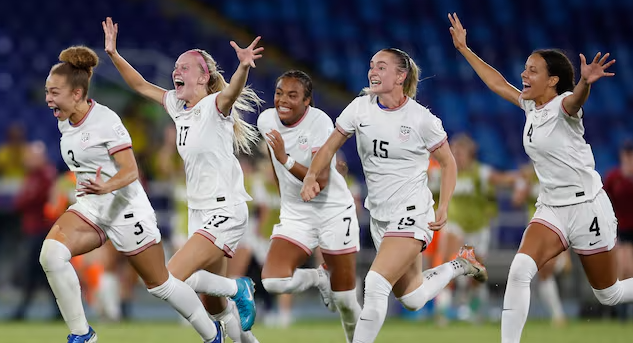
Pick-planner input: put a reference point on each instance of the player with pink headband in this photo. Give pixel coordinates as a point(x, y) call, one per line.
point(206, 110)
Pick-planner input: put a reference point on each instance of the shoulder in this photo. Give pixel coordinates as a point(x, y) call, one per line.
point(266, 117)
point(319, 116)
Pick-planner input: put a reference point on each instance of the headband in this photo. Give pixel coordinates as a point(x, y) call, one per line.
point(200, 59)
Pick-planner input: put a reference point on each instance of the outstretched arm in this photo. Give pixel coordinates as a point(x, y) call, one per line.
point(129, 74)
point(489, 75)
point(247, 57)
point(589, 73)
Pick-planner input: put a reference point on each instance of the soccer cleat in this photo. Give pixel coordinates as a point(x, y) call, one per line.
point(90, 337)
point(324, 288)
point(221, 335)
point(245, 302)
point(473, 267)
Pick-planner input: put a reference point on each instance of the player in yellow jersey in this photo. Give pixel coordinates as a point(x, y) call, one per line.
point(472, 207)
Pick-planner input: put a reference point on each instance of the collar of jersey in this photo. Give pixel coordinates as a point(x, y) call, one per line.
point(387, 109)
point(92, 105)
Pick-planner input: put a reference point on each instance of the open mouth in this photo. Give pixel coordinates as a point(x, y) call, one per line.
point(526, 86)
point(283, 110)
point(56, 111)
point(179, 84)
point(374, 82)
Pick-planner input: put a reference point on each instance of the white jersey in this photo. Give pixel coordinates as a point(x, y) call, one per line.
point(563, 161)
point(394, 147)
point(90, 144)
point(205, 142)
point(302, 140)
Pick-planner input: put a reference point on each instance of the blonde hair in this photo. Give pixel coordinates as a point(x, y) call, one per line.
point(406, 64)
point(76, 64)
point(246, 134)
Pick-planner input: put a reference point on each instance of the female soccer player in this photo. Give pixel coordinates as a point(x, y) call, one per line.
point(395, 136)
point(206, 111)
point(572, 209)
point(111, 203)
point(295, 130)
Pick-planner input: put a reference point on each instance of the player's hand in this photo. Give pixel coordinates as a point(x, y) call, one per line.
point(93, 186)
point(248, 55)
point(310, 188)
point(276, 142)
point(441, 215)
point(594, 71)
point(458, 32)
point(110, 29)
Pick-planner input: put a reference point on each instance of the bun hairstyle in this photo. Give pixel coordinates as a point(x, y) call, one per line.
point(76, 64)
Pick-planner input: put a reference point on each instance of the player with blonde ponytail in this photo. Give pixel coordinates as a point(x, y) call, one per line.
point(206, 111)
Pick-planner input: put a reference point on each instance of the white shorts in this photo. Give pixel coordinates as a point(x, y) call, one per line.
point(340, 235)
point(130, 238)
point(223, 226)
point(589, 227)
point(413, 226)
point(480, 240)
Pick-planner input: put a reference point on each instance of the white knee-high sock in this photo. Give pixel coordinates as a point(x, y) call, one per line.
point(548, 291)
point(349, 309)
point(372, 317)
point(435, 280)
point(230, 317)
point(55, 260)
point(215, 285)
point(109, 296)
point(184, 300)
point(516, 301)
point(301, 280)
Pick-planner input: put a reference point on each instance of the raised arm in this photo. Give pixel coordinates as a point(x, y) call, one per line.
point(247, 57)
point(589, 73)
point(129, 74)
point(489, 75)
point(321, 161)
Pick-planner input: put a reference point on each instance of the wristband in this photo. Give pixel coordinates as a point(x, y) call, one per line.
point(289, 163)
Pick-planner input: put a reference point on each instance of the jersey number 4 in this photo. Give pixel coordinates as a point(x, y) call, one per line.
point(380, 149)
point(529, 133)
point(182, 135)
point(594, 226)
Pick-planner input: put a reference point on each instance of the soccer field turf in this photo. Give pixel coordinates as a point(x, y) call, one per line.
point(329, 331)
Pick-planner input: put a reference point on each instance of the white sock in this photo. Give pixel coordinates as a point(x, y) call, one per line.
point(55, 260)
point(245, 336)
point(301, 280)
point(232, 325)
point(215, 285)
point(349, 309)
point(516, 301)
point(109, 296)
point(620, 292)
point(371, 318)
point(434, 281)
point(548, 291)
point(184, 300)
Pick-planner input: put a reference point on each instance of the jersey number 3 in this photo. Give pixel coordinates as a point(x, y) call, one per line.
point(182, 135)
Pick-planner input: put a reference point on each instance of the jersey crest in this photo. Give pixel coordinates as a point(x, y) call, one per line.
point(303, 142)
point(405, 131)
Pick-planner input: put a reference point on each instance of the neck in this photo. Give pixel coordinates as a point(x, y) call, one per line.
point(545, 98)
point(393, 99)
point(198, 95)
point(80, 112)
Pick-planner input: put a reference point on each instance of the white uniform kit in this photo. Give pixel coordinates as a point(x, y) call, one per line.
point(571, 200)
point(215, 183)
point(328, 221)
point(394, 146)
point(125, 216)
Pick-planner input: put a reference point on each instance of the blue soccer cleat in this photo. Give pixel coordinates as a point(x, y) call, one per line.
point(90, 337)
point(221, 335)
point(245, 302)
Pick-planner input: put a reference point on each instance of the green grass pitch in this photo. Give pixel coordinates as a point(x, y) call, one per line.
point(330, 332)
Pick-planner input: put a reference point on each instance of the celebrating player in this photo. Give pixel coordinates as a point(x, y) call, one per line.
point(395, 136)
point(111, 203)
point(206, 111)
point(572, 209)
point(295, 130)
